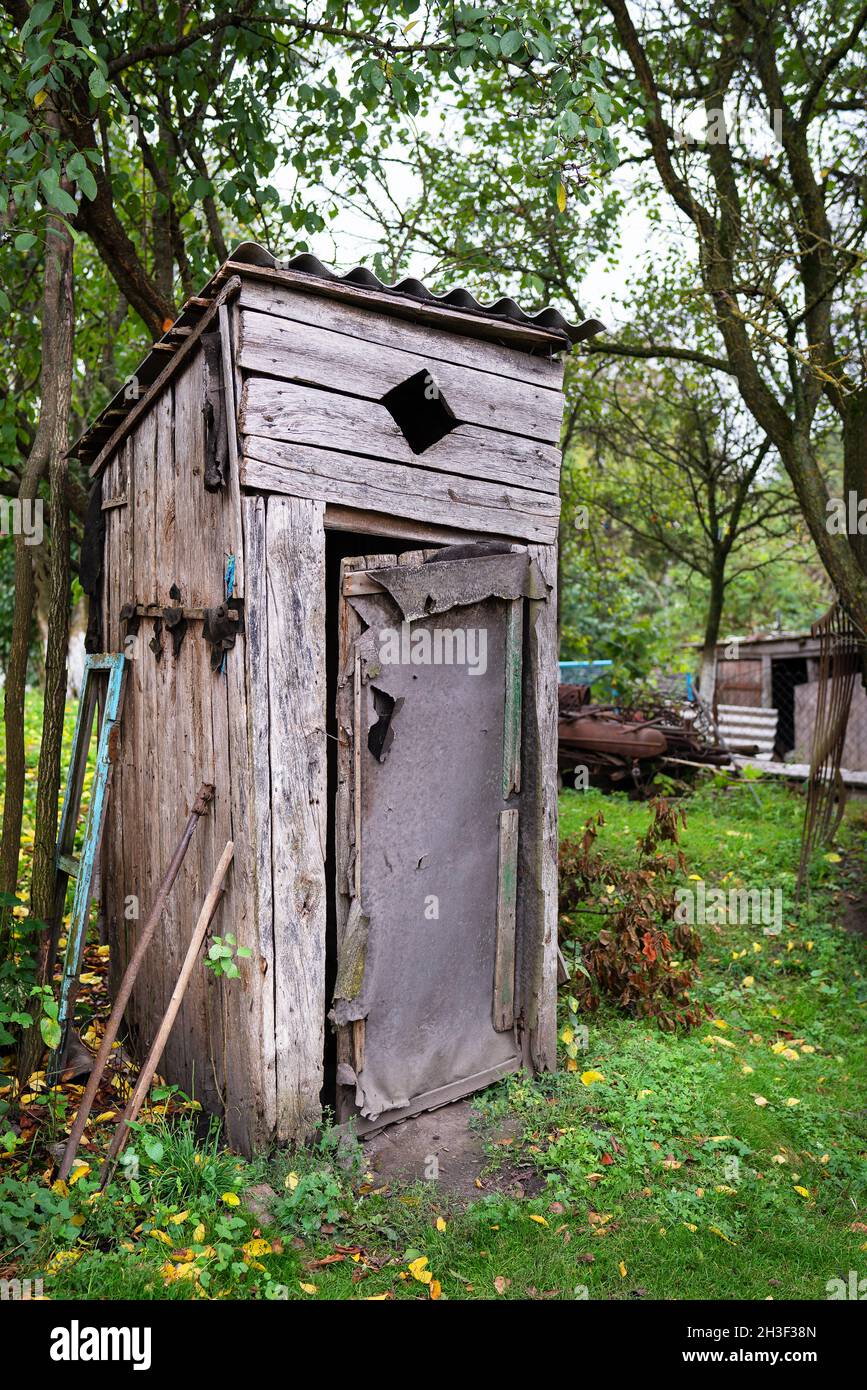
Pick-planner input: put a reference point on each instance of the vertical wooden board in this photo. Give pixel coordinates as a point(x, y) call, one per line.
point(170, 697)
point(140, 788)
point(108, 903)
point(514, 685)
point(537, 842)
point(257, 736)
point(504, 964)
point(119, 560)
point(199, 577)
point(295, 538)
point(200, 564)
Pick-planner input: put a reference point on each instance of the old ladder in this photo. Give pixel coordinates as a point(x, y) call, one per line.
point(103, 673)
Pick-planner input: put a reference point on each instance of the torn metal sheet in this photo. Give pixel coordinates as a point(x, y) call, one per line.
point(437, 586)
point(418, 959)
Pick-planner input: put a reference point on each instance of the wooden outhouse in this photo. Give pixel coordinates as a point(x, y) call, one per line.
point(327, 512)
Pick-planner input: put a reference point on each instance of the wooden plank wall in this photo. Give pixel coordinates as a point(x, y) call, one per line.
point(313, 424)
point(183, 725)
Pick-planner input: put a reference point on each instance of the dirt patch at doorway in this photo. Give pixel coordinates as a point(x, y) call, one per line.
point(442, 1146)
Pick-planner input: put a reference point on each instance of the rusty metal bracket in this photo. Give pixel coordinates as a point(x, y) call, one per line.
point(221, 626)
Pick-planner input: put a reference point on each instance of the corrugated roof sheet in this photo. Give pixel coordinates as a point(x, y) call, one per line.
point(549, 319)
point(249, 253)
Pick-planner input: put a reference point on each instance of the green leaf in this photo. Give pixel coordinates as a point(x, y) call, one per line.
point(24, 241)
point(50, 1030)
point(97, 84)
point(510, 43)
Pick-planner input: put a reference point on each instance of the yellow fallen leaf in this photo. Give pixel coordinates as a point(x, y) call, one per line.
point(80, 1171)
point(161, 1235)
point(291, 1181)
point(376, 1297)
point(833, 858)
point(441, 1225)
point(792, 1100)
point(434, 1288)
point(690, 1227)
point(804, 1191)
point(179, 1218)
point(760, 1100)
point(623, 1270)
point(561, 197)
point(63, 1257)
point(589, 1077)
point(567, 1036)
point(644, 1092)
point(103, 952)
point(747, 1071)
point(308, 1288)
point(720, 1023)
point(418, 1271)
point(749, 981)
point(198, 1234)
point(60, 1188)
point(255, 1248)
point(77, 1220)
point(88, 978)
point(717, 1232)
point(231, 1199)
point(540, 1220)
point(571, 1064)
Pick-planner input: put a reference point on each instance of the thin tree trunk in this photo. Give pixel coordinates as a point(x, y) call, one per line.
point(54, 391)
point(54, 707)
point(713, 620)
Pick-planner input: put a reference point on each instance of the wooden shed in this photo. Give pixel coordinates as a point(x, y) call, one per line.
point(327, 512)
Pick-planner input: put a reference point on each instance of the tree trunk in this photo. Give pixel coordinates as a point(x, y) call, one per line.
point(54, 707)
point(707, 671)
point(54, 391)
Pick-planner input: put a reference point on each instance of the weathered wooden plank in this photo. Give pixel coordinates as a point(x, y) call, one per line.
point(257, 732)
point(319, 357)
point(512, 710)
point(391, 488)
point(304, 415)
point(396, 528)
point(233, 499)
point(169, 703)
point(142, 800)
point(537, 840)
point(198, 573)
point(296, 685)
point(504, 960)
point(376, 327)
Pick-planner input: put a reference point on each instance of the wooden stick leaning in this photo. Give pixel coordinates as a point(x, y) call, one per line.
point(146, 1074)
point(200, 805)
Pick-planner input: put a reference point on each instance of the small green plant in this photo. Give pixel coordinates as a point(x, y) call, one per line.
point(315, 1197)
point(223, 956)
point(169, 1160)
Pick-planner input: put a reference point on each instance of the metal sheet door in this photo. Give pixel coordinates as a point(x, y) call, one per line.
point(429, 713)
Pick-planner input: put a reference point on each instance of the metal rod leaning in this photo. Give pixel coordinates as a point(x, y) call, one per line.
point(200, 805)
point(146, 1074)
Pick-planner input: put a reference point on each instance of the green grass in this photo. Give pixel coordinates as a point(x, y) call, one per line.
point(664, 1180)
